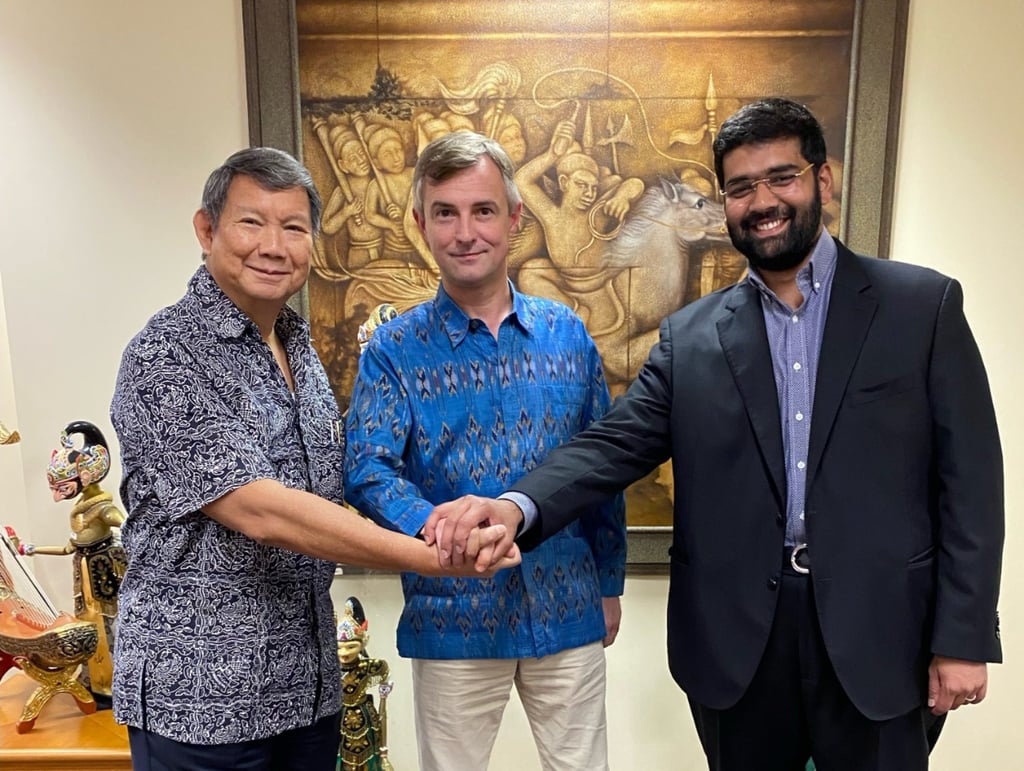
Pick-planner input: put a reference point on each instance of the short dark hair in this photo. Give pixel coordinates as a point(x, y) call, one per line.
point(271, 169)
point(766, 120)
point(456, 151)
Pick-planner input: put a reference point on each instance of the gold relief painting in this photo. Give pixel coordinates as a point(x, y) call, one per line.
point(608, 111)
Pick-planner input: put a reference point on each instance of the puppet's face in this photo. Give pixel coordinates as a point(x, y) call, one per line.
point(65, 489)
point(349, 651)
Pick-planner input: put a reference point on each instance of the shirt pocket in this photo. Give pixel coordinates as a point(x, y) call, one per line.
point(324, 433)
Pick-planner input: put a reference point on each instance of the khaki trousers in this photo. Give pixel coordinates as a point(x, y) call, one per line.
point(459, 705)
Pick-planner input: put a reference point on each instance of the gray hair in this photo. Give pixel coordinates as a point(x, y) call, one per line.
point(271, 169)
point(454, 152)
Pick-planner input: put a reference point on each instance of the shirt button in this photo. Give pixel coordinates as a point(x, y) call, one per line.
point(796, 366)
point(795, 318)
point(773, 583)
point(799, 416)
point(800, 464)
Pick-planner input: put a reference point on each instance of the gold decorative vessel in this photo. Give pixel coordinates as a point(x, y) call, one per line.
point(47, 646)
point(61, 642)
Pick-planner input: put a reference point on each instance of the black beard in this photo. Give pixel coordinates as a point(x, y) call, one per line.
point(782, 252)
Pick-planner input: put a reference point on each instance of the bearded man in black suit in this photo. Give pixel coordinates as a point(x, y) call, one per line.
point(838, 516)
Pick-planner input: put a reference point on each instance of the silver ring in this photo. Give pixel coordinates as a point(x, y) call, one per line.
point(971, 699)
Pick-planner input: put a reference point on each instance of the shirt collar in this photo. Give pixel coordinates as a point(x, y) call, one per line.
point(224, 318)
point(457, 323)
point(815, 276)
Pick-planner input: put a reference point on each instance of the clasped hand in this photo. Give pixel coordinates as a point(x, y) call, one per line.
point(464, 531)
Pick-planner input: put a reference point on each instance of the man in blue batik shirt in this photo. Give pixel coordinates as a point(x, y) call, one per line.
point(462, 396)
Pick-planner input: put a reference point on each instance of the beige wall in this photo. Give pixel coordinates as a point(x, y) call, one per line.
point(961, 143)
point(111, 115)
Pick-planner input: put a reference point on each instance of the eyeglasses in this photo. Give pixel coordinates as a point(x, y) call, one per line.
point(779, 183)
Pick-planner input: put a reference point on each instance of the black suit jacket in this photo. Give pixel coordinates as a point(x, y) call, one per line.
point(904, 501)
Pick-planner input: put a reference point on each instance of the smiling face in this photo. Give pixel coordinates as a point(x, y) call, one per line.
point(259, 253)
point(775, 230)
point(466, 223)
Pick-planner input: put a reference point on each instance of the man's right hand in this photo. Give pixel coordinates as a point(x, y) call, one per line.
point(485, 542)
point(451, 525)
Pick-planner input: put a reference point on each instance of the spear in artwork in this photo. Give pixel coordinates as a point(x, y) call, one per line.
point(624, 136)
point(587, 140)
point(711, 108)
point(709, 127)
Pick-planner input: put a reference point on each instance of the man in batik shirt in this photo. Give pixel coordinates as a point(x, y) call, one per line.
point(232, 452)
point(463, 395)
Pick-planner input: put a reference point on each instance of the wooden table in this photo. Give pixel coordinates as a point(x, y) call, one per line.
point(63, 738)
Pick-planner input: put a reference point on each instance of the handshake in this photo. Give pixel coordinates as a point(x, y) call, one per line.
point(475, 530)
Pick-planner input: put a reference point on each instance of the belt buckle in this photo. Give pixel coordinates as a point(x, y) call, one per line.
point(794, 556)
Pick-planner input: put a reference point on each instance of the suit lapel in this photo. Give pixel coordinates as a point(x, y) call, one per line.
point(741, 333)
point(851, 308)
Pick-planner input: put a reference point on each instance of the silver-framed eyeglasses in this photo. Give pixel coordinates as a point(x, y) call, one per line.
point(779, 183)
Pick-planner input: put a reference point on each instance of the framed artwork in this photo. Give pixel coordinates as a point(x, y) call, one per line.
point(608, 109)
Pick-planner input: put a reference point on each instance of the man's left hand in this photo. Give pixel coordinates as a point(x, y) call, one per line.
point(954, 682)
point(612, 607)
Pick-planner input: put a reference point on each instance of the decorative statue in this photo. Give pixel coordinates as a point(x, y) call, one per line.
point(363, 728)
point(95, 543)
point(382, 314)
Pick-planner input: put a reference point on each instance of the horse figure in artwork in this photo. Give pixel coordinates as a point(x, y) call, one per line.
point(647, 265)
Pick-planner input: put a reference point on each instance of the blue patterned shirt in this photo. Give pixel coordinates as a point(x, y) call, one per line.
point(794, 339)
point(221, 639)
point(441, 409)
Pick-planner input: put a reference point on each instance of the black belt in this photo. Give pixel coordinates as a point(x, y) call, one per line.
point(797, 558)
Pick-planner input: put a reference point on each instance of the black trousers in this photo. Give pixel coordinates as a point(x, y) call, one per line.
point(795, 708)
point(310, 748)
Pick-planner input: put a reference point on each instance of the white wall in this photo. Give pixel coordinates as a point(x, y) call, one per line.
point(10, 455)
point(112, 114)
point(957, 209)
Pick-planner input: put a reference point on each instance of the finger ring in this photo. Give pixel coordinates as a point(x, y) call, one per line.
point(971, 698)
